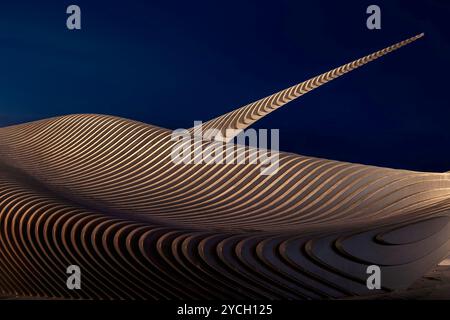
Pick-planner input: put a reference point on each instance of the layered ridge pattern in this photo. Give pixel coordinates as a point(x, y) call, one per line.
point(103, 193)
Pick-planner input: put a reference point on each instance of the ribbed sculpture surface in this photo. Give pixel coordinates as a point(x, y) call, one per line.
point(103, 193)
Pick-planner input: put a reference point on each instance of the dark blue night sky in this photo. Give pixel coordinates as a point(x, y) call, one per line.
point(169, 63)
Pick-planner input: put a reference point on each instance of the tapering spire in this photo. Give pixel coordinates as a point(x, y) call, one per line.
point(245, 116)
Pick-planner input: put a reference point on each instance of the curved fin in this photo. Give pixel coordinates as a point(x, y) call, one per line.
point(241, 118)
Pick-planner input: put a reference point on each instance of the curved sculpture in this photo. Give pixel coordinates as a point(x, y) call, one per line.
point(103, 193)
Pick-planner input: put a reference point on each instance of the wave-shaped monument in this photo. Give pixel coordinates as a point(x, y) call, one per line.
point(103, 193)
